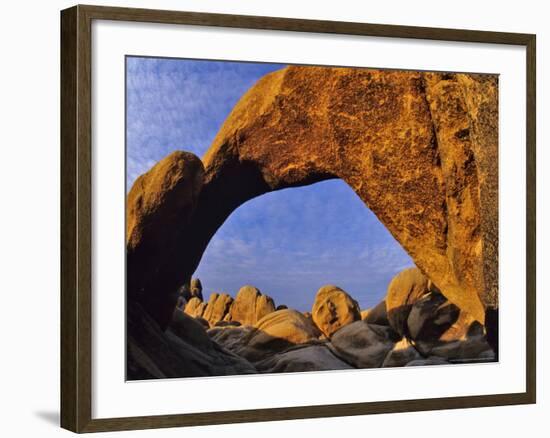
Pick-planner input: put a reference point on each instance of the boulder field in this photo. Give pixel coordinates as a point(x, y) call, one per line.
point(244, 335)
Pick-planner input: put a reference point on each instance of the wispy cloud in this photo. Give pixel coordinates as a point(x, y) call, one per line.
point(179, 104)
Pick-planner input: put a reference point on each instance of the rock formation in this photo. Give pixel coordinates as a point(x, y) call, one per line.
point(250, 306)
point(302, 358)
point(333, 308)
point(363, 345)
point(418, 148)
point(160, 208)
point(419, 312)
point(402, 353)
point(180, 351)
point(430, 317)
point(195, 307)
point(404, 141)
point(278, 331)
point(288, 341)
point(377, 315)
point(190, 290)
point(405, 289)
point(473, 349)
point(217, 308)
point(232, 338)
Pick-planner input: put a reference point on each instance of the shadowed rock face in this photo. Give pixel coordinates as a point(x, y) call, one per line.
point(377, 315)
point(404, 290)
point(363, 345)
point(160, 206)
point(419, 149)
point(183, 350)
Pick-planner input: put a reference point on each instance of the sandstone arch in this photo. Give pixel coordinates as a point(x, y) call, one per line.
point(420, 149)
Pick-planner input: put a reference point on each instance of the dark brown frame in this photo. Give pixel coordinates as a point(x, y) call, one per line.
point(76, 172)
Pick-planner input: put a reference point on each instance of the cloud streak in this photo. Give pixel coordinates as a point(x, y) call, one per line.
point(179, 104)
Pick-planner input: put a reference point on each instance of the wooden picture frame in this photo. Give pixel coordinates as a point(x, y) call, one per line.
point(76, 217)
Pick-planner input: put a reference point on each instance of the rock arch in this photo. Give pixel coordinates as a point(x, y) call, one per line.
point(420, 149)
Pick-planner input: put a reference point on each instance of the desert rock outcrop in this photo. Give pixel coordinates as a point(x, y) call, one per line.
point(179, 351)
point(406, 142)
point(377, 314)
point(217, 308)
point(160, 207)
point(412, 145)
point(195, 307)
point(401, 354)
point(190, 290)
point(420, 150)
point(363, 345)
point(277, 332)
point(249, 306)
point(430, 317)
point(333, 309)
point(405, 289)
point(420, 313)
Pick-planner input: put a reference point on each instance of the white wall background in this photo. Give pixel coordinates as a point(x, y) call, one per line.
point(29, 223)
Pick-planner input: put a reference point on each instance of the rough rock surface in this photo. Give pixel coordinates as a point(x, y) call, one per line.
point(227, 324)
point(405, 289)
point(195, 307)
point(401, 354)
point(154, 354)
point(471, 349)
point(189, 329)
point(203, 322)
point(250, 306)
point(303, 358)
point(418, 148)
point(363, 345)
point(195, 288)
point(231, 337)
point(190, 290)
point(430, 317)
point(277, 332)
point(464, 327)
point(217, 307)
point(464, 111)
point(407, 142)
point(377, 314)
point(419, 312)
point(333, 309)
point(160, 206)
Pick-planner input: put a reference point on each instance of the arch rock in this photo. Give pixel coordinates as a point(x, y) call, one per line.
point(420, 150)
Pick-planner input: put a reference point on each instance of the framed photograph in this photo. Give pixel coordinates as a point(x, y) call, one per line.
point(313, 218)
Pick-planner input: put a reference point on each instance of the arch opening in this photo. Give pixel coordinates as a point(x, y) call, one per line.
point(289, 243)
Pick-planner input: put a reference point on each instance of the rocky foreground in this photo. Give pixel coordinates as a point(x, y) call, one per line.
point(414, 325)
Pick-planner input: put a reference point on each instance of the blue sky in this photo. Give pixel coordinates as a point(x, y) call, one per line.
point(287, 243)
